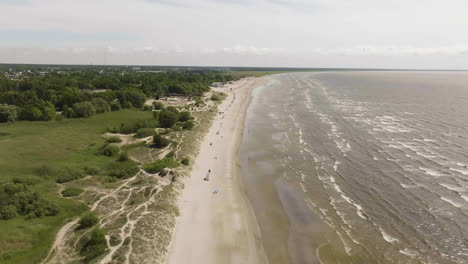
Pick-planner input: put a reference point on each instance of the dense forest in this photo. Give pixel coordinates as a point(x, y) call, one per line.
point(36, 96)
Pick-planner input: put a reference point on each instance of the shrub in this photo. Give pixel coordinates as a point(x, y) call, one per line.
point(123, 170)
point(94, 246)
point(44, 171)
point(7, 212)
point(167, 118)
point(28, 180)
point(91, 170)
point(69, 174)
point(188, 125)
point(84, 109)
point(147, 108)
point(185, 161)
point(159, 141)
point(170, 154)
point(109, 150)
point(159, 165)
point(113, 139)
point(88, 221)
point(20, 199)
point(156, 115)
point(132, 127)
point(184, 116)
point(199, 102)
point(145, 132)
point(123, 156)
point(69, 192)
point(158, 105)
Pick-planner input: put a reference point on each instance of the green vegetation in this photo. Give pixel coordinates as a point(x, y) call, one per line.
point(123, 156)
point(21, 199)
point(80, 106)
point(168, 118)
point(122, 169)
point(69, 149)
point(88, 221)
point(188, 125)
point(108, 150)
point(69, 174)
point(158, 105)
point(84, 93)
point(185, 161)
point(113, 139)
point(145, 132)
point(159, 165)
point(72, 191)
point(160, 141)
point(218, 96)
point(94, 245)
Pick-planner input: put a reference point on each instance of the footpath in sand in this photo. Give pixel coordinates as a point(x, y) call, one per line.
point(216, 223)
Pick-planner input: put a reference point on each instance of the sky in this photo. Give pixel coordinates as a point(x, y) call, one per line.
point(412, 34)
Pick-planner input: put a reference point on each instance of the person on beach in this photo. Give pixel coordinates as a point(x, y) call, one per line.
point(207, 177)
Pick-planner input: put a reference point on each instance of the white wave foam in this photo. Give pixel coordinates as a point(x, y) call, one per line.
point(462, 171)
point(335, 166)
point(431, 172)
point(408, 252)
point(407, 186)
point(303, 187)
point(346, 245)
point(388, 237)
point(448, 200)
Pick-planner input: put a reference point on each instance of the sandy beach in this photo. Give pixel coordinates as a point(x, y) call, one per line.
point(216, 222)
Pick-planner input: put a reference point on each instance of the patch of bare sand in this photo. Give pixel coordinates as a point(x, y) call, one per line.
point(217, 224)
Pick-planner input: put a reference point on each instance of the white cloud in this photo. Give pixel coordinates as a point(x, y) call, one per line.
point(265, 32)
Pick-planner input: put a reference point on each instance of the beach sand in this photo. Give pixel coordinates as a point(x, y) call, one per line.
point(216, 222)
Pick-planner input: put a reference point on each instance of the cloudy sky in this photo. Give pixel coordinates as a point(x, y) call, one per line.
point(288, 33)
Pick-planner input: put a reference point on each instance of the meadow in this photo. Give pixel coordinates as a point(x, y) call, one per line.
point(25, 147)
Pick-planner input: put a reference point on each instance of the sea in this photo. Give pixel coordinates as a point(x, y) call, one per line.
point(359, 166)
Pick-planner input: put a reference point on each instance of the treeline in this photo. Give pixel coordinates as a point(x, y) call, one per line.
point(83, 94)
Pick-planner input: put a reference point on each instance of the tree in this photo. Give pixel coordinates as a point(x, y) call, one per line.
point(84, 109)
point(30, 113)
point(68, 112)
point(167, 118)
point(115, 106)
point(8, 113)
point(48, 113)
point(101, 105)
point(130, 97)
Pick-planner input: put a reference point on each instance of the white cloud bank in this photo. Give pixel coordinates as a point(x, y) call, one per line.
point(302, 33)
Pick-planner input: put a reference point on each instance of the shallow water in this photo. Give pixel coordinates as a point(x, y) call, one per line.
point(360, 167)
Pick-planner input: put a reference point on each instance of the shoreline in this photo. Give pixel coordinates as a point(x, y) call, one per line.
point(217, 224)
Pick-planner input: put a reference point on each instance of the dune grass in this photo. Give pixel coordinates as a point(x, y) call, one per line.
point(27, 146)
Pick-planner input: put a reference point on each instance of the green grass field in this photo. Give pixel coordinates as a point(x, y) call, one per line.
point(26, 146)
